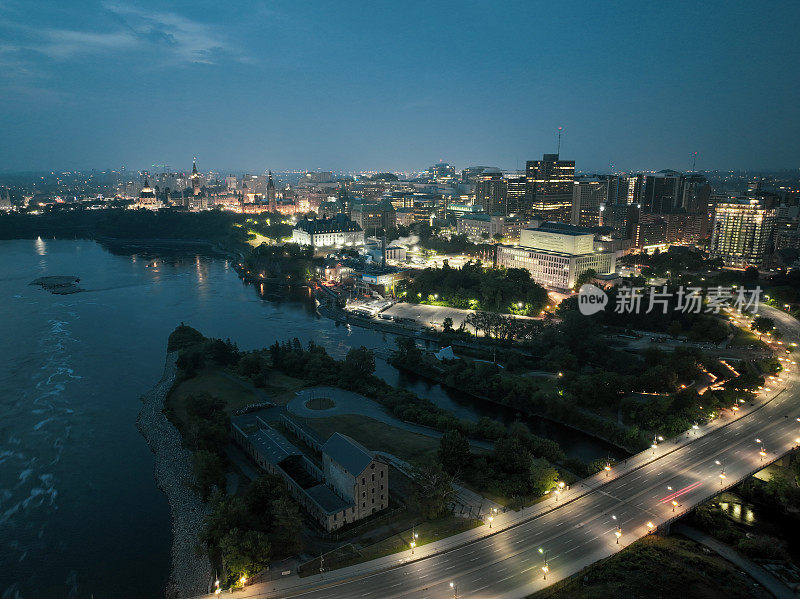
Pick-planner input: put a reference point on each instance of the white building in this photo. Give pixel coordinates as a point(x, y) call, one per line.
point(480, 227)
point(556, 255)
point(337, 231)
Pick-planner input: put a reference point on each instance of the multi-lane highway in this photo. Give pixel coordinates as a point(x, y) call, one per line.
point(591, 521)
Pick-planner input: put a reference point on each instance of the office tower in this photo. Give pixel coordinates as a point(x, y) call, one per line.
point(742, 231)
point(491, 192)
point(589, 196)
point(441, 173)
point(623, 196)
point(550, 187)
point(515, 196)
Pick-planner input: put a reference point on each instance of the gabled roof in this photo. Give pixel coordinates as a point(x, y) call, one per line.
point(348, 453)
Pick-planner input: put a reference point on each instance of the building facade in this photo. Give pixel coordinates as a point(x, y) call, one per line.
point(549, 187)
point(741, 233)
point(556, 255)
point(338, 231)
point(588, 200)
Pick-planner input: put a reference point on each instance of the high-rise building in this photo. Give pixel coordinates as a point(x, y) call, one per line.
point(623, 197)
point(515, 196)
point(588, 201)
point(441, 173)
point(491, 192)
point(742, 231)
point(550, 187)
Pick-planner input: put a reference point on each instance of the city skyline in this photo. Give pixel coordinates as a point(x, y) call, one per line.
point(395, 89)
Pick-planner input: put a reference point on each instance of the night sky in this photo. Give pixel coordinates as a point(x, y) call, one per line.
point(398, 85)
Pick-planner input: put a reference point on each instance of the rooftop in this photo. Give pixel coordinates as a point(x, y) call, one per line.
point(350, 454)
point(326, 499)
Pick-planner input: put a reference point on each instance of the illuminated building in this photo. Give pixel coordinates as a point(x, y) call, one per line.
point(556, 255)
point(550, 182)
point(148, 198)
point(742, 231)
point(328, 232)
point(588, 200)
point(491, 192)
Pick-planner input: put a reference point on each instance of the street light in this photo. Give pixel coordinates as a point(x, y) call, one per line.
point(650, 527)
point(454, 586)
point(618, 534)
point(607, 468)
point(490, 519)
point(674, 504)
point(413, 544)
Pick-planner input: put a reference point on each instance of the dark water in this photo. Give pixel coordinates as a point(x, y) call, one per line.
point(79, 510)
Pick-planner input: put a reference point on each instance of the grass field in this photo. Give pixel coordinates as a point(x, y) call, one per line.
point(427, 531)
point(658, 567)
point(743, 337)
point(215, 383)
point(377, 436)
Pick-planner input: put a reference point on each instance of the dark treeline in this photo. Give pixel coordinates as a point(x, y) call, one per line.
point(221, 228)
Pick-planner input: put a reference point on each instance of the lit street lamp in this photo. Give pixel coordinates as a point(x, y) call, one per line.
point(618, 534)
point(454, 586)
point(674, 505)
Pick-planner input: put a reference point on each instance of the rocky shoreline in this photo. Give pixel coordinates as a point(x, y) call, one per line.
point(191, 569)
point(59, 285)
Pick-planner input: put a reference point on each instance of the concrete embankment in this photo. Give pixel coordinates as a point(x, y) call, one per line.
point(191, 570)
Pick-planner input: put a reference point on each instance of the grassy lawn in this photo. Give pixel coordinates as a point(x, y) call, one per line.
point(658, 567)
point(427, 532)
point(215, 383)
point(744, 337)
point(320, 403)
point(281, 388)
point(377, 436)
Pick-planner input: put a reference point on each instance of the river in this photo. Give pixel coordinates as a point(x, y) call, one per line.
point(80, 514)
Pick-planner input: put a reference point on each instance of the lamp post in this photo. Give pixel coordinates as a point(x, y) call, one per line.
point(545, 567)
point(618, 534)
point(674, 505)
point(454, 586)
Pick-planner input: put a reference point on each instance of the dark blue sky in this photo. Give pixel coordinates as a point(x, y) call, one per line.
point(398, 85)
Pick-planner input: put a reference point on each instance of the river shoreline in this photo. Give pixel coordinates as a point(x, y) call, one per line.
point(191, 569)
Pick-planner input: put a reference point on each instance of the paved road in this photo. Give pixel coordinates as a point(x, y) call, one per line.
point(580, 527)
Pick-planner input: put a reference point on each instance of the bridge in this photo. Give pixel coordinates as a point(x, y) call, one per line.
point(525, 551)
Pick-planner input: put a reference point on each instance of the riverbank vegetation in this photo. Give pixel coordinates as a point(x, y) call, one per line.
point(625, 397)
point(760, 516)
point(658, 567)
point(224, 230)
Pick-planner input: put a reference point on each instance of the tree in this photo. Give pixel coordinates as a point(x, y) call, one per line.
point(454, 451)
point(360, 362)
point(543, 476)
point(250, 365)
point(433, 490)
point(762, 324)
point(288, 524)
point(244, 553)
point(208, 471)
point(447, 325)
point(586, 276)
